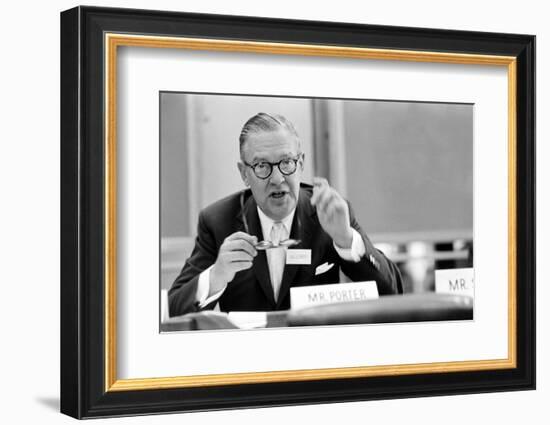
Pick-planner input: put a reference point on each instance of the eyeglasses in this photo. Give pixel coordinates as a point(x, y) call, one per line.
point(263, 245)
point(263, 169)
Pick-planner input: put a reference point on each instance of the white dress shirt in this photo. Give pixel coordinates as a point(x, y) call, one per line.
point(275, 261)
point(276, 257)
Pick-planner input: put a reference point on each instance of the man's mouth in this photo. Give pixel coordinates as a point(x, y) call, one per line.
point(277, 195)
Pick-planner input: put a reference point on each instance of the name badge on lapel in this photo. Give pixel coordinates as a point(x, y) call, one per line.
point(298, 256)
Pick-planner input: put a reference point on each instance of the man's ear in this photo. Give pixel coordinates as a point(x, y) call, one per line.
point(302, 161)
point(242, 171)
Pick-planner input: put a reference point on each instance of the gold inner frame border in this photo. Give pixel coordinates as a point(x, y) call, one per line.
point(111, 43)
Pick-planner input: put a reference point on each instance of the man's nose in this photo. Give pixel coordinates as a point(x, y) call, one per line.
point(276, 177)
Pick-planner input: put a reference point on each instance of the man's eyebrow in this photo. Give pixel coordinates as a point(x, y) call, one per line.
point(260, 158)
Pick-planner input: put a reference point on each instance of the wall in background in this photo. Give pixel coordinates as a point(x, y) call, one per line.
point(416, 164)
point(174, 154)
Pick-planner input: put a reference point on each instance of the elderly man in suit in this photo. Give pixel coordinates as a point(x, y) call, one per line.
point(230, 267)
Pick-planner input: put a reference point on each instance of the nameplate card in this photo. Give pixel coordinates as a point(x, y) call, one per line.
point(298, 256)
point(455, 281)
point(309, 296)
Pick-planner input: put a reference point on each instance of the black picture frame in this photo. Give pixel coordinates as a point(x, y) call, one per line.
point(84, 370)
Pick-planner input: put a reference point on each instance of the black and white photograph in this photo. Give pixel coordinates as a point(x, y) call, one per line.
point(294, 211)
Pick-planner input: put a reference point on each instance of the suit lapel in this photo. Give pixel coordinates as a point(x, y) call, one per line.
point(301, 229)
point(259, 265)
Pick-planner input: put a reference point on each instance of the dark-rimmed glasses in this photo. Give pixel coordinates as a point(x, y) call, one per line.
point(263, 169)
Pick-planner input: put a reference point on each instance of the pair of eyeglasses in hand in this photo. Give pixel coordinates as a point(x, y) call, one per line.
point(263, 245)
point(287, 243)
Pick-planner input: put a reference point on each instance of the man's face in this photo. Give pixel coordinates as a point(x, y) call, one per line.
point(276, 195)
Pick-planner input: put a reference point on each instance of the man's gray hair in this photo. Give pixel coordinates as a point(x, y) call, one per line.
point(263, 122)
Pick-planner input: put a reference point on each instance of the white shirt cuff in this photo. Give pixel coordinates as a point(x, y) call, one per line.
point(355, 252)
point(203, 288)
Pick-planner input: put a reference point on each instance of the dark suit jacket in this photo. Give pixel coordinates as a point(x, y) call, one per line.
point(251, 289)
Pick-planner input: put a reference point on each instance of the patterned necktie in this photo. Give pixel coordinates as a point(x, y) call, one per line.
point(276, 257)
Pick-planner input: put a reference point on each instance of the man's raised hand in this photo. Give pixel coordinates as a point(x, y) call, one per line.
point(333, 212)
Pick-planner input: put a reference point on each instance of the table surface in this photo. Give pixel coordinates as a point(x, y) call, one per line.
point(386, 309)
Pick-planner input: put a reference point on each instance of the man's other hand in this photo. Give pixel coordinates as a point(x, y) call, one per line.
point(333, 212)
point(236, 253)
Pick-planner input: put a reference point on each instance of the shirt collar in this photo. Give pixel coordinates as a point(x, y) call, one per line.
point(267, 222)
